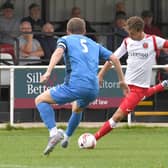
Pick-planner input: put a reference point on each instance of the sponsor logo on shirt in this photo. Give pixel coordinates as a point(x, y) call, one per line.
point(139, 55)
point(145, 45)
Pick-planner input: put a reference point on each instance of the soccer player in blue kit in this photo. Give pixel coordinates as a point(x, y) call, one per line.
point(81, 85)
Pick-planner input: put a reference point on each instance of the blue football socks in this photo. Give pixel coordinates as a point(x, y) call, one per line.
point(73, 123)
point(47, 114)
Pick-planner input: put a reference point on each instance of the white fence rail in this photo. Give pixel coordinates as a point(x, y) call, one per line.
point(12, 68)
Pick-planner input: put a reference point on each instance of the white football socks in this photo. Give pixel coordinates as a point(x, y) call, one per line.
point(112, 123)
point(53, 131)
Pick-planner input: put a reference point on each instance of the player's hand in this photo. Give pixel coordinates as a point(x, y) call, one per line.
point(30, 37)
point(124, 87)
point(25, 55)
point(44, 78)
point(166, 68)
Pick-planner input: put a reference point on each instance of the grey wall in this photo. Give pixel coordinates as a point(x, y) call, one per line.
point(92, 10)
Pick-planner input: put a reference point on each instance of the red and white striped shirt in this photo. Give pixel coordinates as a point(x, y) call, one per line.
point(141, 58)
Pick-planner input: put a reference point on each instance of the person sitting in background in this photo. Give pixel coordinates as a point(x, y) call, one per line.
point(120, 7)
point(118, 34)
point(34, 18)
point(9, 28)
point(150, 28)
point(30, 48)
point(76, 12)
point(48, 42)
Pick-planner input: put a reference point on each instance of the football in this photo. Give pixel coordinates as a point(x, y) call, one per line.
point(87, 141)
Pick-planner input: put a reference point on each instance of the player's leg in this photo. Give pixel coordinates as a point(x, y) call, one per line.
point(60, 94)
point(47, 115)
point(43, 103)
point(127, 105)
point(75, 118)
point(157, 88)
point(86, 96)
point(73, 123)
point(110, 124)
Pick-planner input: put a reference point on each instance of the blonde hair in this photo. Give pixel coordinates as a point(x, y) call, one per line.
point(135, 23)
point(76, 26)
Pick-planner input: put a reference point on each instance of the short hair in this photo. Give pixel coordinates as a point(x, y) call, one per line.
point(135, 23)
point(33, 5)
point(7, 5)
point(76, 26)
point(120, 6)
point(75, 8)
point(146, 13)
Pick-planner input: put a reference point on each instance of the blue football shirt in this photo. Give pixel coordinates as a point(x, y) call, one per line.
point(81, 56)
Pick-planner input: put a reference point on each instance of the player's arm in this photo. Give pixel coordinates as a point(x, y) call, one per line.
point(116, 62)
point(108, 64)
point(103, 70)
point(117, 65)
point(165, 45)
point(113, 59)
point(55, 58)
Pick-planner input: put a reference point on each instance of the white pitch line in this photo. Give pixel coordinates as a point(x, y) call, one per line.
point(26, 166)
point(13, 166)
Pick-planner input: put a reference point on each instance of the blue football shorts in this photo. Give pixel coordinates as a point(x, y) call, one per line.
point(63, 94)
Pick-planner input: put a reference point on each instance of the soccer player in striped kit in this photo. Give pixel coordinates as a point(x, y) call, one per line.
point(142, 52)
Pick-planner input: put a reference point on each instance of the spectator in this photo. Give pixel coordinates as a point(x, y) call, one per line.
point(30, 48)
point(120, 8)
point(76, 12)
point(34, 18)
point(118, 34)
point(150, 28)
point(9, 28)
point(48, 42)
point(162, 60)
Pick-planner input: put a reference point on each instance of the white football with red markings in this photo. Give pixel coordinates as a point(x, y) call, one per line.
point(87, 141)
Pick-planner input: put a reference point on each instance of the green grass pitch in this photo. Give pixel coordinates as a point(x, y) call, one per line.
point(135, 147)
